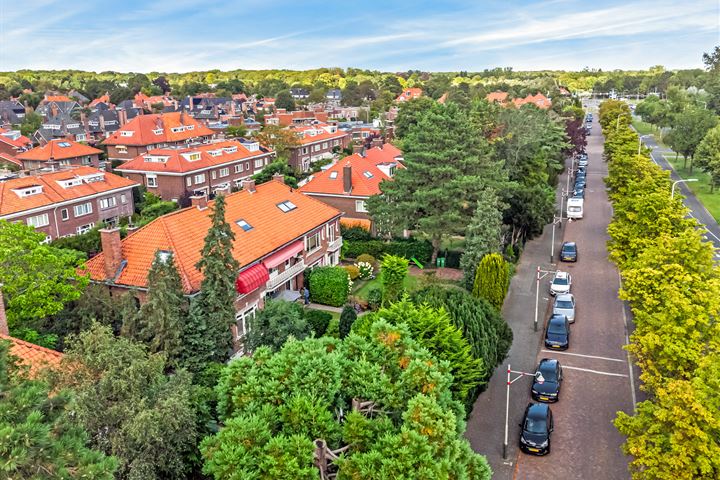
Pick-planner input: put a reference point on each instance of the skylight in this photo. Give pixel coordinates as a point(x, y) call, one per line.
point(63, 144)
point(367, 174)
point(333, 175)
point(244, 225)
point(286, 206)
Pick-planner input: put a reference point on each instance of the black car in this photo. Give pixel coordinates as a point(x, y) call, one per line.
point(548, 378)
point(537, 425)
point(557, 334)
point(569, 252)
point(580, 182)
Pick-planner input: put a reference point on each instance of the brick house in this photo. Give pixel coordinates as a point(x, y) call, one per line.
point(60, 153)
point(316, 142)
point(348, 184)
point(409, 94)
point(279, 233)
point(66, 202)
point(173, 173)
point(160, 130)
point(284, 119)
point(12, 143)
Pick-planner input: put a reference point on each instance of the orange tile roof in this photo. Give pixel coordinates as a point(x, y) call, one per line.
point(332, 183)
point(58, 98)
point(144, 126)
point(497, 96)
point(58, 149)
point(19, 142)
point(34, 356)
point(52, 191)
point(6, 157)
point(176, 162)
point(539, 100)
point(102, 99)
point(183, 232)
point(320, 133)
point(409, 94)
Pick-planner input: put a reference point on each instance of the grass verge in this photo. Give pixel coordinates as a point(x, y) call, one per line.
point(701, 188)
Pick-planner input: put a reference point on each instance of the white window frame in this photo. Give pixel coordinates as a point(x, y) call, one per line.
point(123, 198)
point(259, 163)
point(83, 209)
point(42, 220)
point(315, 236)
point(108, 202)
point(152, 181)
point(64, 214)
point(188, 181)
point(199, 178)
point(361, 206)
point(241, 320)
point(239, 168)
point(84, 228)
point(224, 172)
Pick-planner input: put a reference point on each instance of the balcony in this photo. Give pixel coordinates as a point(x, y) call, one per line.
point(335, 244)
point(283, 277)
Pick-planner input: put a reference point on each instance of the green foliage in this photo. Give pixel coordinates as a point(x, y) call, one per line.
point(329, 286)
point(281, 167)
point(352, 271)
point(30, 124)
point(366, 258)
point(408, 248)
point(318, 320)
point(236, 131)
point(365, 270)
point(393, 271)
point(492, 279)
point(38, 280)
point(128, 406)
point(483, 234)
point(707, 156)
point(279, 139)
point(689, 127)
point(274, 405)
point(347, 318)
point(38, 439)
point(283, 99)
point(273, 325)
point(375, 298)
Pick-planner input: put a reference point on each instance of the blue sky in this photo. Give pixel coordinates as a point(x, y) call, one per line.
point(187, 35)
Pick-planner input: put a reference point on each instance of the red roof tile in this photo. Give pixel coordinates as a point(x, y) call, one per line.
point(498, 96)
point(318, 132)
point(58, 149)
point(158, 128)
point(173, 160)
point(183, 232)
point(409, 94)
point(330, 181)
point(34, 356)
point(58, 98)
point(52, 191)
point(13, 139)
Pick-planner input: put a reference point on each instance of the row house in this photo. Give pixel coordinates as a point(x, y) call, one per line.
point(279, 234)
point(60, 153)
point(316, 142)
point(91, 128)
point(299, 93)
point(283, 118)
point(349, 183)
point(12, 143)
point(53, 105)
point(159, 130)
point(67, 202)
point(12, 112)
point(202, 169)
point(539, 100)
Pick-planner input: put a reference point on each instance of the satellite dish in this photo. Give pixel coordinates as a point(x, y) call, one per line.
point(539, 378)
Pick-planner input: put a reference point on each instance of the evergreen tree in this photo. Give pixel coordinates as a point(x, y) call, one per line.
point(213, 310)
point(492, 279)
point(347, 318)
point(483, 234)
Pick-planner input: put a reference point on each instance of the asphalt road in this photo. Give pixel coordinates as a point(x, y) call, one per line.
point(598, 379)
point(699, 212)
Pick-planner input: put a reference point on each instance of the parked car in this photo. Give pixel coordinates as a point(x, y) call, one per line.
point(557, 333)
point(583, 162)
point(548, 379)
point(582, 169)
point(579, 192)
point(537, 425)
point(561, 283)
point(565, 305)
point(569, 252)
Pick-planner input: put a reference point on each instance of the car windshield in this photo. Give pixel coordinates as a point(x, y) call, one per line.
point(563, 304)
point(568, 249)
point(556, 328)
point(535, 425)
point(560, 281)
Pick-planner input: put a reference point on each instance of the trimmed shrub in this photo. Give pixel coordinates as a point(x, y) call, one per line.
point(406, 248)
point(347, 318)
point(329, 286)
point(333, 329)
point(367, 259)
point(492, 279)
point(393, 273)
point(353, 271)
point(318, 320)
point(354, 233)
point(374, 298)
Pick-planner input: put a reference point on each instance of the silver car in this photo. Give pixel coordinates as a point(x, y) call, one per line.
point(565, 305)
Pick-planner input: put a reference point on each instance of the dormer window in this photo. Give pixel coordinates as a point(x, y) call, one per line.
point(126, 133)
point(177, 129)
point(72, 182)
point(286, 206)
point(28, 191)
point(232, 149)
point(97, 177)
point(155, 159)
point(192, 156)
point(215, 153)
point(158, 131)
point(190, 127)
point(252, 147)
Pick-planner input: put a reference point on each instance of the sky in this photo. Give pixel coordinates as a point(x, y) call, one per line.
point(470, 35)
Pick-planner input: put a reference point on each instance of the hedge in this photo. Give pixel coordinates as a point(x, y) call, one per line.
point(329, 286)
point(318, 320)
point(407, 248)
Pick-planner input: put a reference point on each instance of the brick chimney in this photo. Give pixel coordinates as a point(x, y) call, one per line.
point(122, 117)
point(347, 178)
point(4, 329)
point(199, 201)
point(112, 250)
point(377, 142)
point(358, 148)
point(249, 185)
point(279, 177)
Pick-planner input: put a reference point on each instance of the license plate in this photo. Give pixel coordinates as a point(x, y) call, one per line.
point(556, 346)
point(544, 398)
point(534, 450)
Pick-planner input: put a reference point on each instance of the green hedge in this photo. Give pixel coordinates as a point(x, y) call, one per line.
point(319, 321)
point(420, 249)
point(329, 286)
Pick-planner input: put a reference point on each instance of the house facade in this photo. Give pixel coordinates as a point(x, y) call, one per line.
point(148, 132)
point(279, 234)
point(12, 143)
point(174, 173)
point(67, 202)
point(60, 153)
point(316, 142)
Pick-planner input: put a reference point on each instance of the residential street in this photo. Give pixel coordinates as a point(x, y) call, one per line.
point(597, 379)
point(697, 208)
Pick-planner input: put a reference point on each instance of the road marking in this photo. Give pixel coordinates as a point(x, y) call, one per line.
point(610, 374)
point(584, 356)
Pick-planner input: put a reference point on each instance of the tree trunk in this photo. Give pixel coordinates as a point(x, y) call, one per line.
point(691, 163)
point(436, 249)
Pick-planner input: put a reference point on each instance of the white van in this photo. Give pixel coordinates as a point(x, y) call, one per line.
point(575, 208)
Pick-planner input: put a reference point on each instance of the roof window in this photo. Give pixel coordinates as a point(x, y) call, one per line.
point(333, 175)
point(244, 225)
point(368, 174)
point(27, 191)
point(286, 206)
point(63, 144)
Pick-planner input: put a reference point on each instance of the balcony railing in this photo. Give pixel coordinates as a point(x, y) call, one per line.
point(283, 277)
point(335, 244)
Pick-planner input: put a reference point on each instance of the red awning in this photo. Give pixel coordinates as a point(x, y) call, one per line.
point(251, 278)
point(288, 252)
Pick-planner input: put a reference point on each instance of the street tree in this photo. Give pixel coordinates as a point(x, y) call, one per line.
point(688, 130)
point(283, 99)
point(707, 156)
point(236, 131)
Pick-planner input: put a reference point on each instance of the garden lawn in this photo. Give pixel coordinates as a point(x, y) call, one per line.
point(362, 288)
point(644, 128)
point(701, 188)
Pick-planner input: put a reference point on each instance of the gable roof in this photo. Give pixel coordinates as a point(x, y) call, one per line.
point(157, 128)
point(539, 100)
point(330, 181)
point(183, 232)
point(409, 94)
point(58, 149)
point(53, 191)
point(317, 132)
point(34, 356)
point(14, 138)
point(176, 160)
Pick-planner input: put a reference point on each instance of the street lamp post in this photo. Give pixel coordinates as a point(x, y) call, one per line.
point(556, 221)
point(640, 141)
point(510, 381)
point(672, 191)
point(540, 275)
point(617, 122)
